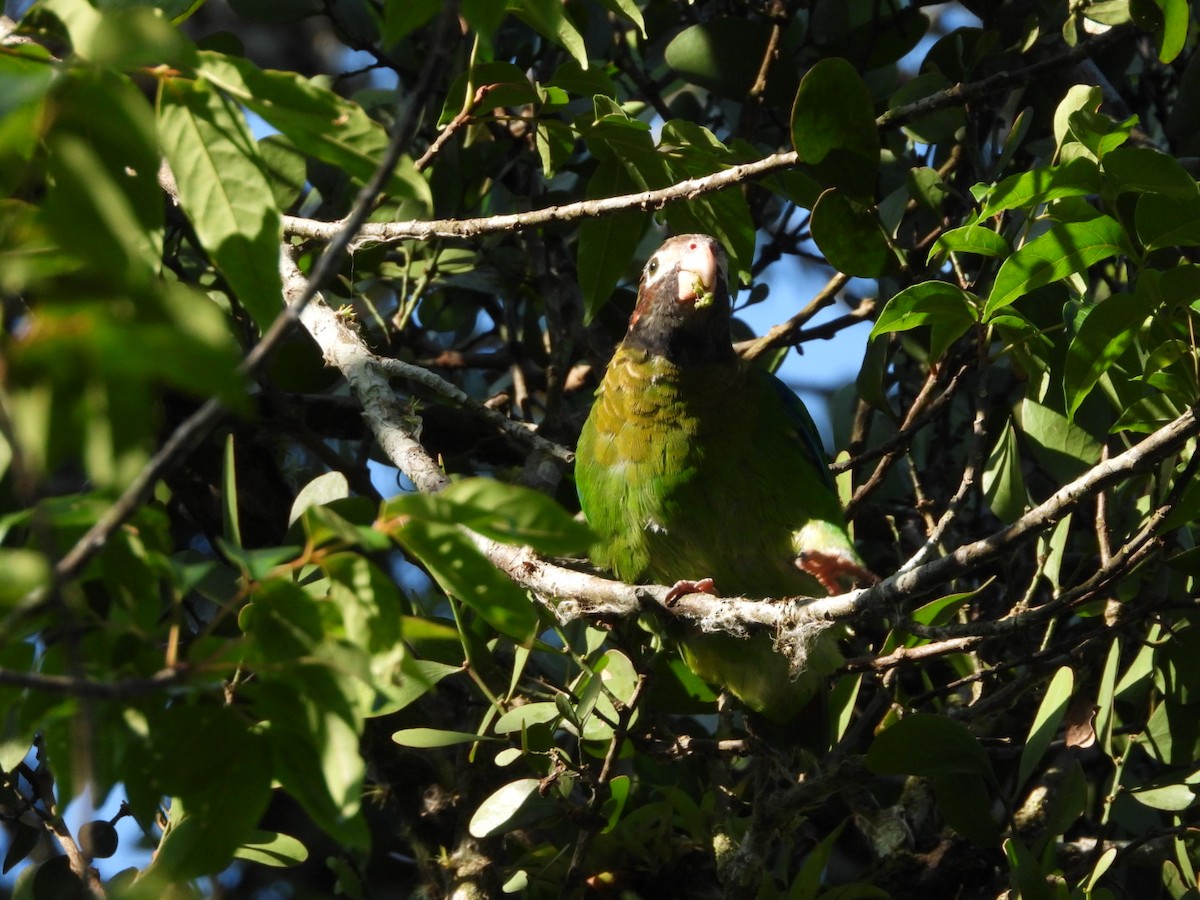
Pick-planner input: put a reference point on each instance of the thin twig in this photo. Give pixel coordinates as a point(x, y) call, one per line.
point(517, 431)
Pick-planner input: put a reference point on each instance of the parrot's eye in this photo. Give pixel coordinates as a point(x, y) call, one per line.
point(652, 266)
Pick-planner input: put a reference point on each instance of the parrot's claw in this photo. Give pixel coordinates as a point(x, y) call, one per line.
point(830, 568)
point(681, 588)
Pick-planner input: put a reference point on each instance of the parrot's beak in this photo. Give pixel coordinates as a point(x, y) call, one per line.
point(699, 270)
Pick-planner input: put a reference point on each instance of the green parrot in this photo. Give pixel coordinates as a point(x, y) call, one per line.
point(694, 464)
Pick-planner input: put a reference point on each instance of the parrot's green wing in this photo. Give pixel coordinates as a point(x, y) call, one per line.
point(694, 464)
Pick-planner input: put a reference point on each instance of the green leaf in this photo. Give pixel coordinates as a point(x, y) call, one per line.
point(1078, 97)
point(21, 840)
point(521, 717)
point(504, 512)
point(426, 738)
point(929, 745)
point(270, 848)
point(1064, 250)
point(966, 804)
point(1144, 170)
point(721, 55)
point(1172, 734)
point(507, 86)
point(811, 877)
point(1167, 797)
point(400, 17)
point(833, 127)
point(314, 727)
point(319, 123)
point(618, 793)
point(134, 36)
point(629, 9)
point(945, 306)
point(848, 233)
point(1173, 35)
point(1063, 447)
point(514, 805)
point(970, 239)
point(25, 78)
point(1098, 133)
point(224, 191)
point(935, 127)
point(606, 243)
point(205, 788)
point(21, 573)
point(1027, 875)
point(926, 186)
point(285, 167)
point(1077, 178)
point(463, 572)
point(232, 529)
point(549, 18)
point(1045, 723)
point(1002, 482)
point(325, 488)
point(1068, 801)
point(1163, 221)
point(1104, 334)
point(105, 203)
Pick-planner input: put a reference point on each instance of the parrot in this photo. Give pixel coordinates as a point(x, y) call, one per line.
point(697, 468)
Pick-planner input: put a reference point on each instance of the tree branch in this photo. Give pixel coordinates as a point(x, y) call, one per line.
point(391, 232)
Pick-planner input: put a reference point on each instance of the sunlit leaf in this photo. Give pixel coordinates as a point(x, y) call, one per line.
point(1063, 250)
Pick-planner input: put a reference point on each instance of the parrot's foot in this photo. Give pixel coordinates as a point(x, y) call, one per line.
point(680, 588)
point(831, 568)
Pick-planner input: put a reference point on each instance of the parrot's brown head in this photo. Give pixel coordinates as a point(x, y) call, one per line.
point(682, 309)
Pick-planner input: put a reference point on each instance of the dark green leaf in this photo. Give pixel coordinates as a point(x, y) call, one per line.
point(606, 243)
point(1144, 170)
point(22, 839)
point(504, 83)
point(833, 127)
point(403, 16)
point(926, 186)
point(284, 167)
point(721, 55)
point(1167, 221)
point(1101, 338)
point(936, 127)
point(927, 744)
point(966, 805)
point(850, 236)
point(1027, 875)
point(1002, 482)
